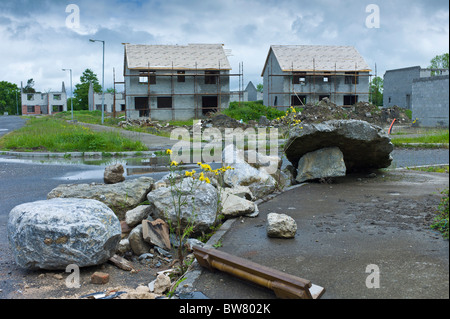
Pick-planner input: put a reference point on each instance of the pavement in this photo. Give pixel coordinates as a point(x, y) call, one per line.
point(344, 229)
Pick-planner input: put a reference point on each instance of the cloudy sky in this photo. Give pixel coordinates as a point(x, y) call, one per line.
point(39, 38)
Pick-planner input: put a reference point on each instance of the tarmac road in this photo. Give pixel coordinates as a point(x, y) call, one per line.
point(10, 123)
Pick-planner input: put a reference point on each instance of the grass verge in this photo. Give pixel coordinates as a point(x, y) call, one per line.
point(55, 135)
point(429, 137)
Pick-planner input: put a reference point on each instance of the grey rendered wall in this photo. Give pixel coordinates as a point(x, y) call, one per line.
point(397, 88)
point(273, 84)
point(335, 84)
point(183, 106)
point(430, 101)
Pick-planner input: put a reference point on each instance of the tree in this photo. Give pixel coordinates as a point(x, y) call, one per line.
point(81, 92)
point(376, 91)
point(8, 94)
point(259, 88)
point(439, 62)
point(29, 87)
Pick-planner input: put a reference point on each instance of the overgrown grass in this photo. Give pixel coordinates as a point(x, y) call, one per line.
point(247, 111)
point(441, 219)
point(55, 135)
point(92, 117)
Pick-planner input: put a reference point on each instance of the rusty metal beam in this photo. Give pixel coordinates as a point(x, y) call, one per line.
point(284, 285)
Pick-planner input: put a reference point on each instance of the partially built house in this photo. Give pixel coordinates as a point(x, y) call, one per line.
point(422, 90)
point(113, 102)
point(294, 75)
point(176, 82)
point(44, 103)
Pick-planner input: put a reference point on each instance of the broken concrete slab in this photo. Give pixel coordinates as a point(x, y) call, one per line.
point(364, 145)
point(156, 233)
point(326, 162)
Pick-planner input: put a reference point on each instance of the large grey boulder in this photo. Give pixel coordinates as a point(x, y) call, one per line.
point(326, 162)
point(199, 204)
point(364, 145)
point(52, 234)
point(120, 197)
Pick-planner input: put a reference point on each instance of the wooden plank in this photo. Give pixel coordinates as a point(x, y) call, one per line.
point(284, 285)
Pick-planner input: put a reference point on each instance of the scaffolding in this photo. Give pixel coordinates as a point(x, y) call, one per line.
point(215, 75)
point(311, 76)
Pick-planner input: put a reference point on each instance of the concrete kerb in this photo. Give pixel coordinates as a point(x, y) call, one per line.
point(195, 270)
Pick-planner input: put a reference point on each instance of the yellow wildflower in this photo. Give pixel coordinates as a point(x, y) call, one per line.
point(173, 163)
point(189, 174)
point(169, 151)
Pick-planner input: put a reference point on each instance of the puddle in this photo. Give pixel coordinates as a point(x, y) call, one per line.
point(95, 167)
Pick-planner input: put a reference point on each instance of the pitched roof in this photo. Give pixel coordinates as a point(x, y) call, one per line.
point(189, 57)
point(318, 58)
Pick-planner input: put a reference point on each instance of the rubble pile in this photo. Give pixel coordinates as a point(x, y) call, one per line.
point(140, 211)
point(325, 110)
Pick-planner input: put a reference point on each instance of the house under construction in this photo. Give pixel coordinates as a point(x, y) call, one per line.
point(294, 75)
point(176, 82)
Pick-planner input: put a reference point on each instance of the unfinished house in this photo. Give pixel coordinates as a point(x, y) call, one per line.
point(44, 103)
point(294, 75)
point(424, 91)
point(250, 94)
point(113, 102)
point(175, 82)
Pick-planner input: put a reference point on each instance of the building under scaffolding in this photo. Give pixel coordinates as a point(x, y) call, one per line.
point(176, 82)
point(294, 75)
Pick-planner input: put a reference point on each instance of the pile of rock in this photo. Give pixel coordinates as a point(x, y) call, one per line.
point(333, 148)
point(87, 224)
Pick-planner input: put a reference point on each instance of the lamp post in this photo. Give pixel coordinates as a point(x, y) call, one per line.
point(103, 78)
point(71, 92)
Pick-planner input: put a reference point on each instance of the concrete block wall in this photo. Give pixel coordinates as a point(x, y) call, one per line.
point(184, 101)
point(430, 101)
point(397, 86)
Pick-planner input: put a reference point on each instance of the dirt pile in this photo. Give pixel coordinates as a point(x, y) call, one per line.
point(325, 110)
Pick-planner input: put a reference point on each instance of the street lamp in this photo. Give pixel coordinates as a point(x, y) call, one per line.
point(71, 92)
point(103, 77)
